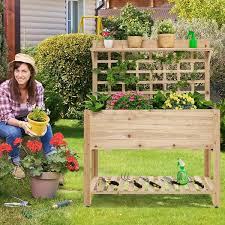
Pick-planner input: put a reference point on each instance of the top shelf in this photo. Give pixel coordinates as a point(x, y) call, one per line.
point(150, 46)
point(100, 49)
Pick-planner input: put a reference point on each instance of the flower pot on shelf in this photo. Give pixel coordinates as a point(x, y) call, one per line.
point(134, 41)
point(166, 40)
point(108, 43)
point(38, 127)
point(45, 186)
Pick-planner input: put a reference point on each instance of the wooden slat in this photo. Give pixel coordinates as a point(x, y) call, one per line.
point(126, 187)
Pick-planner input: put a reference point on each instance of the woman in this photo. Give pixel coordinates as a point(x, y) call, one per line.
point(18, 96)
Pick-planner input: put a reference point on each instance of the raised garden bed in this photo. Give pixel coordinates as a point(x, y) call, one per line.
point(142, 129)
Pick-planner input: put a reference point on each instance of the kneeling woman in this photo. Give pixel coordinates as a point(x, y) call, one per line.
point(18, 96)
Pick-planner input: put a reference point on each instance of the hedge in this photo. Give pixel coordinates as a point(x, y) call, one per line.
point(64, 62)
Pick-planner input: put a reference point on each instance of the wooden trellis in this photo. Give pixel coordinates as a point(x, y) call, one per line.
point(163, 76)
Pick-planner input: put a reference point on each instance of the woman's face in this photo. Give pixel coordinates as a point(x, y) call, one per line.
point(22, 74)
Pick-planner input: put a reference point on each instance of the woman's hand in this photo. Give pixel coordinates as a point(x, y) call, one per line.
point(27, 128)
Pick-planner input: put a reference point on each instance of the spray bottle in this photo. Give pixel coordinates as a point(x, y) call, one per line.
point(182, 176)
point(192, 41)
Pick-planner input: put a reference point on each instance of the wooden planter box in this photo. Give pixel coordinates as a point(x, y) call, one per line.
point(142, 129)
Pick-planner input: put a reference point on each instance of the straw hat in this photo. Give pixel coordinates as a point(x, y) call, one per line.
point(20, 57)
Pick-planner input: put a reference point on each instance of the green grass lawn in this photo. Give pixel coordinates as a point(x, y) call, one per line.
point(112, 209)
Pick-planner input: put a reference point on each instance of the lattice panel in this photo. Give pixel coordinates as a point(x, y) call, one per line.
point(152, 74)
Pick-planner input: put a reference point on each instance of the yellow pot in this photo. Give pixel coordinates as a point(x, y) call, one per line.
point(38, 127)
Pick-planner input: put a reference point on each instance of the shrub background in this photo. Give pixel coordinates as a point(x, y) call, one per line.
point(65, 67)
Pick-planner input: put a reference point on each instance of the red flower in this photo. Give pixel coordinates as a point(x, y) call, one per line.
point(58, 140)
point(34, 146)
point(4, 147)
point(72, 163)
point(17, 141)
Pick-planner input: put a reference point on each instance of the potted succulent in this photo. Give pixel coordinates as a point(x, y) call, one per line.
point(38, 119)
point(108, 38)
point(45, 171)
point(166, 34)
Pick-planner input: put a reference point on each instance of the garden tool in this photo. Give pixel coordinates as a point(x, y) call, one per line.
point(169, 180)
point(29, 214)
point(151, 182)
point(16, 204)
point(196, 182)
point(182, 177)
point(110, 182)
point(127, 178)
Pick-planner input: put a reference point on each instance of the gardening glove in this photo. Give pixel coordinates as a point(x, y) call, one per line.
point(26, 126)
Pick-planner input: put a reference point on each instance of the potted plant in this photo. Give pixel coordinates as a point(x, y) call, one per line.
point(45, 171)
point(38, 119)
point(108, 38)
point(166, 34)
point(136, 23)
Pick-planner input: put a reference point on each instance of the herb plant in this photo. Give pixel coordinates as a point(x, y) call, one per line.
point(38, 115)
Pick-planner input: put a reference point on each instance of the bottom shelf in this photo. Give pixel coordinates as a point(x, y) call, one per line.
point(140, 185)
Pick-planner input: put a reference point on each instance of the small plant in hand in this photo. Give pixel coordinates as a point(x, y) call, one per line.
point(38, 114)
point(5, 166)
point(130, 100)
point(61, 160)
point(107, 35)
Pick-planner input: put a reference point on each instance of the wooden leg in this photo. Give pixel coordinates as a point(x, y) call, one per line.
point(216, 151)
point(87, 160)
point(207, 162)
point(216, 178)
point(94, 163)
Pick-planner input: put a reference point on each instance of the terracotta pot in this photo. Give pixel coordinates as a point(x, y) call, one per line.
point(166, 40)
point(134, 41)
point(108, 43)
point(45, 186)
point(38, 127)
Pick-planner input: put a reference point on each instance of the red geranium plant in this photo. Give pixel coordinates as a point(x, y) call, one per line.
point(5, 166)
point(107, 35)
point(61, 160)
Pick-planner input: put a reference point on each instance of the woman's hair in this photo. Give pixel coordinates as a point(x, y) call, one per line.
point(14, 87)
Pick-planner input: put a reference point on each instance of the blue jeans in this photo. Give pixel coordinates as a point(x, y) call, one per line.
point(10, 133)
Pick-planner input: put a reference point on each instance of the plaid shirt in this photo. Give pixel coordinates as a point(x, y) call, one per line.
point(12, 109)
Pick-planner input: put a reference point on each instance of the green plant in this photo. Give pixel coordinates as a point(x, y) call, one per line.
point(96, 103)
point(200, 101)
point(66, 62)
point(61, 160)
point(129, 100)
point(158, 100)
point(38, 114)
point(136, 22)
point(118, 73)
point(207, 9)
point(114, 25)
point(221, 106)
point(166, 27)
